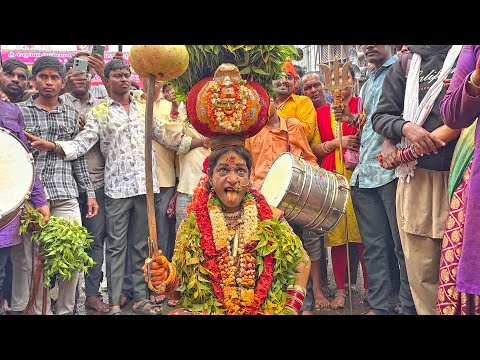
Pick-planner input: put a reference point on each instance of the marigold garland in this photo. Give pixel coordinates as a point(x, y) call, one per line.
point(267, 294)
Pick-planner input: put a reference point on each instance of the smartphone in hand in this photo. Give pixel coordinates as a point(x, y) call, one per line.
point(98, 49)
point(80, 65)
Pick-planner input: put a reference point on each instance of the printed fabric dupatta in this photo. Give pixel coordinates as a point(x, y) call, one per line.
point(462, 157)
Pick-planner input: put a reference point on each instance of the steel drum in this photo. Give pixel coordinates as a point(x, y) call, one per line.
point(310, 197)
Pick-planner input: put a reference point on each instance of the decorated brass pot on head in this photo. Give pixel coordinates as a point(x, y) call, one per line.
point(227, 105)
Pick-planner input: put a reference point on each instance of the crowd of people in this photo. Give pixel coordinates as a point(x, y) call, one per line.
point(409, 223)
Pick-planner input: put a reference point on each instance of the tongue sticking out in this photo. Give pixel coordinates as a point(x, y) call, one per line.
point(231, 195)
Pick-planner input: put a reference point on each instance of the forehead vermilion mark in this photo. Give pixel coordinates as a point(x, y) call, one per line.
point(232, 158)
point(49, 72)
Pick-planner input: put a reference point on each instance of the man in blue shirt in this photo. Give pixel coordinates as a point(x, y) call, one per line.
point(373, 191)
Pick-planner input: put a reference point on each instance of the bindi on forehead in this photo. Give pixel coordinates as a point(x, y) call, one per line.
point(232, 158)
point(50, 72)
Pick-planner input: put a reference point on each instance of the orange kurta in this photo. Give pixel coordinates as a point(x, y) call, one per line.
point(269, 144)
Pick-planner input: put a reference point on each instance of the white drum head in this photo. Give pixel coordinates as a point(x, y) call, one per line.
point(278, 179)
point(16, 173)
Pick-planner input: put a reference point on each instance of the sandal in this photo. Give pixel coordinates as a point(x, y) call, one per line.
point(173, 303)
point(146, 307)
point(116, 312)
point(157, 299)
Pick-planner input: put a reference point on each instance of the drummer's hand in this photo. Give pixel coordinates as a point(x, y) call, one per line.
point(45, 211)
point(39, 143)
point(389, 155)
point(351, 142)
point(342, 115)
point(92, 208)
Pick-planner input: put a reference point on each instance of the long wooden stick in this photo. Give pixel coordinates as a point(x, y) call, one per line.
point(336, 89)
point(152, 224)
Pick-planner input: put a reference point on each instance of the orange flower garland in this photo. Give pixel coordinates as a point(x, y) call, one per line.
point(233, 280)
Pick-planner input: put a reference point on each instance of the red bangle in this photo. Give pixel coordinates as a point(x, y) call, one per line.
point(294, 304)
point(291, 310)
point(296, 294)
point(174, 113)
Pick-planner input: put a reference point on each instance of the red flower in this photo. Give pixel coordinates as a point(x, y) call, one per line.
point(206, 165)
point(250, 247)
point(207, 244)
point(265, 280)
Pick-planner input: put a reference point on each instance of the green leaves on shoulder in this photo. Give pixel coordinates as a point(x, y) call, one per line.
point(274, 234)
point(278, 236)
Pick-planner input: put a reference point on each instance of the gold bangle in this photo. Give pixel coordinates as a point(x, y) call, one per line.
point(470, 81)
point(298, 288)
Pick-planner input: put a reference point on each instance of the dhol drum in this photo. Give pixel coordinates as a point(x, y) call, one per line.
point(310, 197)
point(17, 173)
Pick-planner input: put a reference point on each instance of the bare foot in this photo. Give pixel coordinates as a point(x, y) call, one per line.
point(320, 300)
point(339, 301)
point(327, 291)
point(308, 312)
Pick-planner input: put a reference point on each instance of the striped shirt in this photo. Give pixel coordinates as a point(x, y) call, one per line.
point(56, 174)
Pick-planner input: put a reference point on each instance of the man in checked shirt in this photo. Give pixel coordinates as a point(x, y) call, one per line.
point(48, 117)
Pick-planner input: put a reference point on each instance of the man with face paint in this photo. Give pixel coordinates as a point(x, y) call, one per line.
point(231, 248)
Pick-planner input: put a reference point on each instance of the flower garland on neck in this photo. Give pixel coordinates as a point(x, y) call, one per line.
point(214, 281)
point(233, 280)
